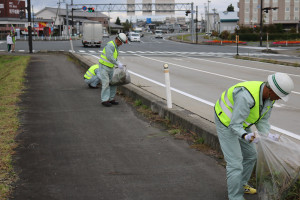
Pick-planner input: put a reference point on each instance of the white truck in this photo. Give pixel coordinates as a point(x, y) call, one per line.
point(158, 34)
point(139, 30)
point(92, 34)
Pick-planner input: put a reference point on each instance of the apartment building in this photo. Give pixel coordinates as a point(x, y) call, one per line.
point(285, 12)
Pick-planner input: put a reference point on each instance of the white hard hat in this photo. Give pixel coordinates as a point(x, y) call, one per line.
point(122, 37)
point(281, 84)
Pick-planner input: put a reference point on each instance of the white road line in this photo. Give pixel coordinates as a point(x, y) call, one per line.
point(242, 67)
point(174, 89)
point(81, 51)
point(191, 68)
point(92, 51)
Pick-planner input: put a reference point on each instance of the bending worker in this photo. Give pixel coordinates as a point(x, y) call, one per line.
point(92, 76)
point(107, 61)
point(241, 106)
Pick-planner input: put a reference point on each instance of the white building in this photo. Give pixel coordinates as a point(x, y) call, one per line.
point(228, 21)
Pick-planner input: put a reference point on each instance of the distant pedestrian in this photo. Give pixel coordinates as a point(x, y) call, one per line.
point(14, 42)
point(107, 62)
point(92, 76)
point(238, 108)
point(9, 42)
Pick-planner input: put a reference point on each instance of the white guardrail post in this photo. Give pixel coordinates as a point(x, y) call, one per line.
point(167, 83)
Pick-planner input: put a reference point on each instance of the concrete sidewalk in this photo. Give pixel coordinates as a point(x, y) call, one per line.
point(71, 147)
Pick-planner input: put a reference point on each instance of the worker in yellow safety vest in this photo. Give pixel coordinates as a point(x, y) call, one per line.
point(92, 76)
point(108, 60)
point(238, 108)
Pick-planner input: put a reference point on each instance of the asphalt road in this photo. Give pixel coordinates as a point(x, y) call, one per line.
point(71, 147)
point(148, 43)
point(197, 81)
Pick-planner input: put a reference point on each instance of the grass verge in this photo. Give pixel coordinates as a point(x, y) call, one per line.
point(268, 61)
point(12, 70)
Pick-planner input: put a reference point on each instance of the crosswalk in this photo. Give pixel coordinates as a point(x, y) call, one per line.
point(171, 53)
point(183, 53)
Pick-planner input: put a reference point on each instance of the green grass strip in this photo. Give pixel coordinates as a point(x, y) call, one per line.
point(12, 71)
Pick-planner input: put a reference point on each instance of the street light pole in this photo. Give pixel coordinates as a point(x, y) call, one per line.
point(261, 22)
point(29, 26)
point(208, 1)
point(237, 39)
point(196, 24)
point(72, 21)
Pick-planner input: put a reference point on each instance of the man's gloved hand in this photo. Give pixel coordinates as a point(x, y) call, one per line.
point(250, 137)
point(120, 65)
point(274, 137)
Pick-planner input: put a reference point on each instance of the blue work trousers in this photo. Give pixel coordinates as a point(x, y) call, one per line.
point(108, 92)
point(240, 157)
point(94, 81)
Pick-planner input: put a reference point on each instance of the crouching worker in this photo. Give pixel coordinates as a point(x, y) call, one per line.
point(92, 76)
point(239, 107)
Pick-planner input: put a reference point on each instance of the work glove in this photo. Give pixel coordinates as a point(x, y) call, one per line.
point(250, 137)
point(274, 137)
point(120, 65)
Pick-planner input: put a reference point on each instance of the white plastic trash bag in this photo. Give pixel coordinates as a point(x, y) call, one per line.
point(120, 77)
point(278, 166)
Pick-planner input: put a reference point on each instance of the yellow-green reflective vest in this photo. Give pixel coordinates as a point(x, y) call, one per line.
point(224, 105)
point(91, 71)
point(103, 60)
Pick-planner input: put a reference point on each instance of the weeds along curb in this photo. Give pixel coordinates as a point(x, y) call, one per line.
point(268, 61)
point(178, 116)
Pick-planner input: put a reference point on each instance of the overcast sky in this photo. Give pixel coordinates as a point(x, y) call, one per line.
point(219, 5)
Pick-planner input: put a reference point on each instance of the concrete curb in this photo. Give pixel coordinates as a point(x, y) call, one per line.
point(178, 116)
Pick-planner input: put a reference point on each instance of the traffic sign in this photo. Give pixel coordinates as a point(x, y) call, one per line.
point(84, 8)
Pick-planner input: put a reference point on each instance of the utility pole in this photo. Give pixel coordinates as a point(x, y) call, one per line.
point(33, 20)
point(261, 22)
point(192, 23)
point(196, 24)
point(29, 26)
point(68, 33)
point(72, 18)
point(208, 1)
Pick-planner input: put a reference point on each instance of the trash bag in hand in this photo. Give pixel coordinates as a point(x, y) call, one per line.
point(278, 166)
point(120, 77)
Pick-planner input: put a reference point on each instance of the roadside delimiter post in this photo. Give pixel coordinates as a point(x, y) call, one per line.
point(167, 83)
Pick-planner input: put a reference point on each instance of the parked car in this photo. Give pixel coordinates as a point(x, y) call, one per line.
point(105, 35)
point(158, 34)
point(134, 37)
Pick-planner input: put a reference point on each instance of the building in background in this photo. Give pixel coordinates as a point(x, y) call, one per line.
point(147, 7)
point(170, 20)
point(228, 21)
point(164, 7)
point(130, 7)
point(287, 13)
point(58, 17)
point(10, 13)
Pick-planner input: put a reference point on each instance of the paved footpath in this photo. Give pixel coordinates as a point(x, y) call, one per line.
point(71, 147)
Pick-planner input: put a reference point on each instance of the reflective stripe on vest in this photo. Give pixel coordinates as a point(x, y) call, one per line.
point(103, 59)
point(224, 105)
point(91, 71)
